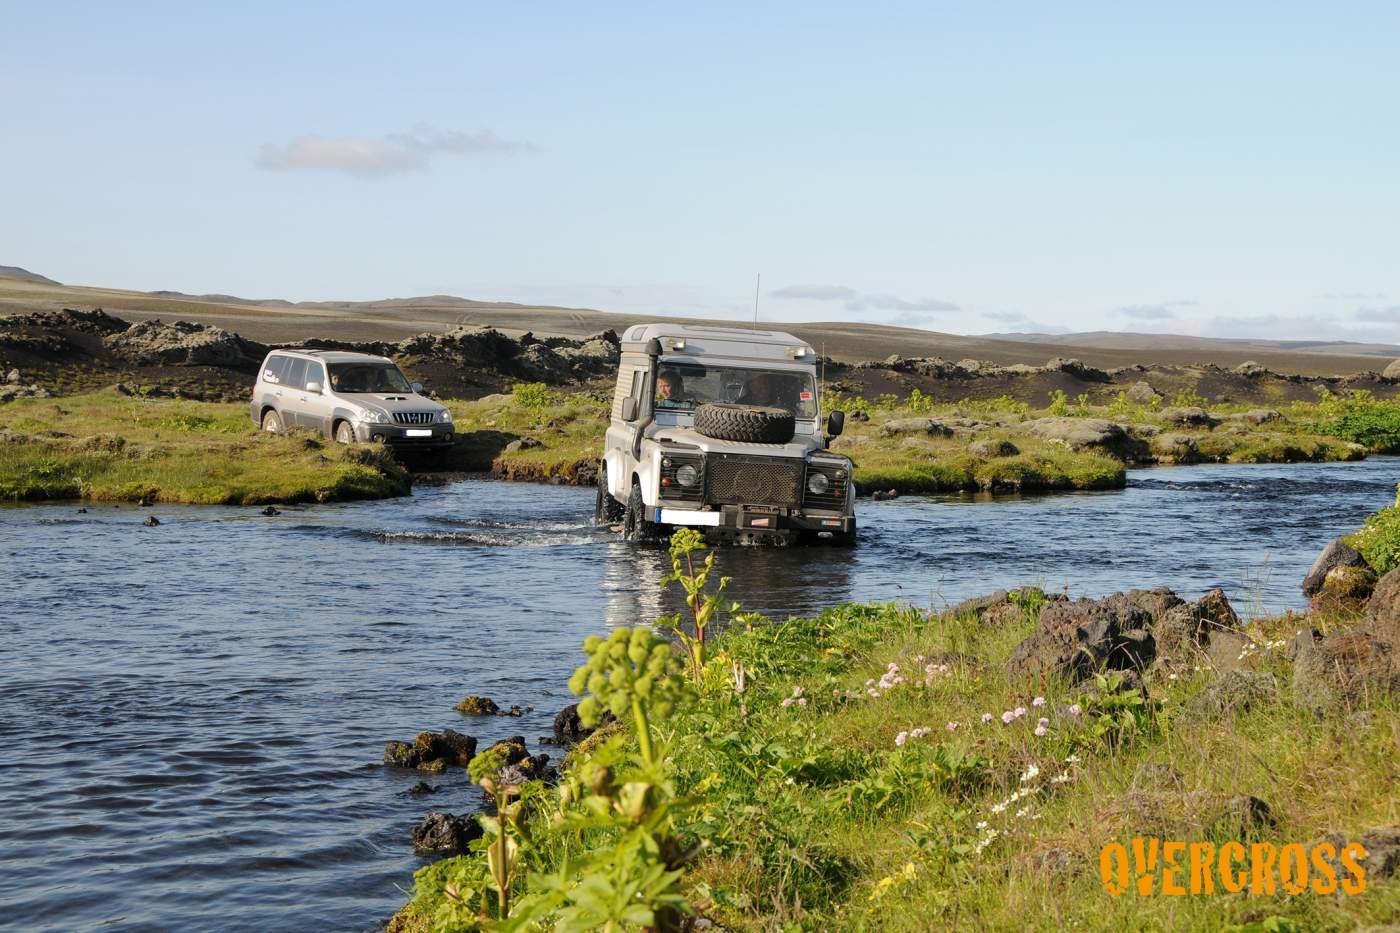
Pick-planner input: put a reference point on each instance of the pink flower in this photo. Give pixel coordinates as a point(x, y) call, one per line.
point(1008, 717)
point(1043, 722)
point(952, 727)
point(900, 739)
point(801, 701)
point(1038, 701)
point(1041, 730)
point(1075, 710)
point(987, 717)
point(1020, 711)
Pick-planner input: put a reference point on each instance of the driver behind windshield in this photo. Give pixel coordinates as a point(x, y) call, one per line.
point(769, 390)
point(670, 391)
point(367, 378)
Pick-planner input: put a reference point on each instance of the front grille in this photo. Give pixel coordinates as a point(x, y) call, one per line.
point(734, 480)
point(835, 497)
point(670, 488)
point(415, 417)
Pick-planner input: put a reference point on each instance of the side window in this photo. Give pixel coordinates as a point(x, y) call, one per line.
point(275, 369)
point(295, 376)
point(315, 372)
point(639, 381)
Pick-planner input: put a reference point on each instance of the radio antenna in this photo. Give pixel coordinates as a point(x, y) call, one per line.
point(757, 279)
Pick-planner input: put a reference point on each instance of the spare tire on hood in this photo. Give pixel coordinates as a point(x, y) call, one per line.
point(750, 424)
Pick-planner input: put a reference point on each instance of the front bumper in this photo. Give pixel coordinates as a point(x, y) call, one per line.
point(440, 435)
point(743, 521)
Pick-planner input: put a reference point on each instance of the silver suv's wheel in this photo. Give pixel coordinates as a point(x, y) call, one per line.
point(272, 422)
point(344, 433)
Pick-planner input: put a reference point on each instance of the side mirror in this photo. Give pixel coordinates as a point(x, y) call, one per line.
point(835, 423)
point(314, 388)
point(629, 409)
point(417, 388)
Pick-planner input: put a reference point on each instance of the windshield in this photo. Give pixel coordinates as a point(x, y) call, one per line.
point(353, 378)
point(684, 386)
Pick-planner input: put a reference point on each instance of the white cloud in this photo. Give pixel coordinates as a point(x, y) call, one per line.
point(1147, 312)
point(364, 157)
point(1390, 315)
point(860, 301)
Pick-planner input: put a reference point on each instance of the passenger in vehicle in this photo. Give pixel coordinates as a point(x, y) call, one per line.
point(670, 391)
point(768, 390)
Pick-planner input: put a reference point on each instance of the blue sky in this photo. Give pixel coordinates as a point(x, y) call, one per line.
point(1220, 169)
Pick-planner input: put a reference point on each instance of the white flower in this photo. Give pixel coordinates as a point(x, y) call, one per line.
point(1031, 772)
point(1007, 717)
point(1020, 711)
point(1040, 730)
point(987, 717)
point(952, 727)
point(1038, 701)
point(1075, 710)
point(1060, 778)
point(1072, 759)
point(982, 824)
point(900, 739)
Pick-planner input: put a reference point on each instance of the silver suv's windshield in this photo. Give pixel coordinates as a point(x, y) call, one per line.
point(684, 386)
point(353, 378)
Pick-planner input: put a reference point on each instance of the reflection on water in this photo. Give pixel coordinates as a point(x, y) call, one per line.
point(193, 714)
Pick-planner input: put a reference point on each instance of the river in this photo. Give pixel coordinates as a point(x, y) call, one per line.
point(192, 716)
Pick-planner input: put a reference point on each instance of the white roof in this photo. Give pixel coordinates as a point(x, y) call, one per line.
point(708, 340)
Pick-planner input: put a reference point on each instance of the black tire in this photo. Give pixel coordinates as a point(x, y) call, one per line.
point(635, 524)
point(272, 422)
point(750, 424)
point(606, 509)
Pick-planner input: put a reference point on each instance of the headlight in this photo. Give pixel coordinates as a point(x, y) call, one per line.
point(687, 475)
point(818, 484)
point(374, 417)
point(445, 416)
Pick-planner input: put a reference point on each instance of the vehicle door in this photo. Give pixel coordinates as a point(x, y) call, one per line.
point(292, 399)
point(316, 404)
point(631, 399)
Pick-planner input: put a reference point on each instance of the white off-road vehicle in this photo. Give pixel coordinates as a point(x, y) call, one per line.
point(720, 429)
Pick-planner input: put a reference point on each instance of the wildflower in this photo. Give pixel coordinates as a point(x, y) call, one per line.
point(801, 701)
point(1060, 778)
point(1020, 711)
point(952, 727)
point(1031, 773)
point(1038, 701)
point(1019, 814)
point(900, 739)
point(987, 717)
point(790, 781)
point(1075, 710)
point(999, 807)
point(1043, 722)
point(798, 691)
point(1072, 759)
point(981, 824)
point(1041, 730)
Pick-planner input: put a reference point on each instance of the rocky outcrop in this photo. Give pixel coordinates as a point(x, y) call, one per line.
point(1232, 692)
point(1392, 371)
point(1383, 611)
point(433, 752)
point(915, 426)
point(993, 448)
point(1003, 606)
point(153, 343)
point(1190, 417)
point(1142, 393)
point(1336, 554)
point(569, 728)
point(1184, 629)
point(1076, 639)
point(1347, 668)
point(478, 706)
point(445, 833)
point(95, 322)
point(1087, 434)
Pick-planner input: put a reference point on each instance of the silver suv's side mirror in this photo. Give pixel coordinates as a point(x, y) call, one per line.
point(417, 388)
point(314, 388)
point(629, 409)
point(835, 423)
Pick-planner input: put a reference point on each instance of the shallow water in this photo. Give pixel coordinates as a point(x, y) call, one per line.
point(192, 716)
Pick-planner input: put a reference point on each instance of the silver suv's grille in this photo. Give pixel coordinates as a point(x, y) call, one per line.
point(732, 480)
point(415, 417)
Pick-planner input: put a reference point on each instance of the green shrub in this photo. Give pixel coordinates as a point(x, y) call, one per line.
point(1379, 540)
point(1360, 418)
point(533, 395)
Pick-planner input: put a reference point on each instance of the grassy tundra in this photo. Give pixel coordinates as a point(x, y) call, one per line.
point(106, 445)
point(884, 767)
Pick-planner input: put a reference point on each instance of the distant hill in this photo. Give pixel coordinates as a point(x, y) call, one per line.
point(1113, 340)
point(270, 320)
point(24, 275)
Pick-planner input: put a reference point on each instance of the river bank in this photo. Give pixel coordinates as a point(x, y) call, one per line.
point(888, 767)
point(117, 446)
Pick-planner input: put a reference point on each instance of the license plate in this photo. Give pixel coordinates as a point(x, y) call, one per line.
point(418, 432)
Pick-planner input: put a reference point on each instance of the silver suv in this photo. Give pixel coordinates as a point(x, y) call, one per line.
point(349, 397)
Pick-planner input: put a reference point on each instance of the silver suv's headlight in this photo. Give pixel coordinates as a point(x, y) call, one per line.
point(818, 484)
point(445, 416)
point(374, 417)
point(687, 475)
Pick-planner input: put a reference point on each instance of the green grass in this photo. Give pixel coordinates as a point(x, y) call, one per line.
point(812, 818)
point(111, 447)
point(1379, 539)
